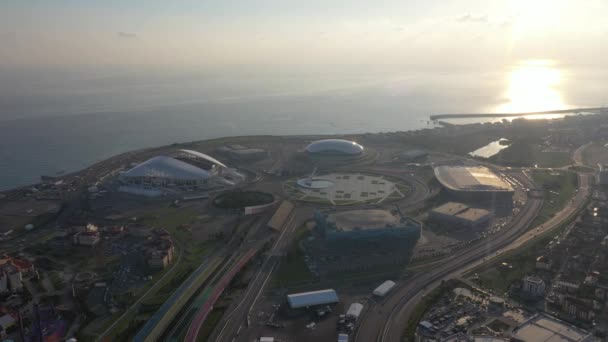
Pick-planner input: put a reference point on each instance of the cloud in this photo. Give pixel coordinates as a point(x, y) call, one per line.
point(469, 18)
point(126, 35)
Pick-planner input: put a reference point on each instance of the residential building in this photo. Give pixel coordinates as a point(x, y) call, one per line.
point(533, 286)
point(86, 238)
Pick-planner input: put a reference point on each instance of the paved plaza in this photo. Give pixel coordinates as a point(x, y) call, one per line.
point(349, 189)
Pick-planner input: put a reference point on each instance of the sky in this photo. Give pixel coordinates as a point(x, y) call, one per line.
point(431, 33)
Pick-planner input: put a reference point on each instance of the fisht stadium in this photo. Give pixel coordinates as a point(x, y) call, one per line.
point(474, 183)
point(183, 168)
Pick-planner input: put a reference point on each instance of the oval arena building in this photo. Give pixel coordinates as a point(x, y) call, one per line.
point(474, 183)
point(334, 147)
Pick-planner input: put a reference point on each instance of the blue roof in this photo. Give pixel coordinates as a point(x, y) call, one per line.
point(321, 297)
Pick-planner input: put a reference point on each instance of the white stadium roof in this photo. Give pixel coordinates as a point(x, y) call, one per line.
point(469, 178)
point(329, 146)
point(167, 167)
point(204, 156)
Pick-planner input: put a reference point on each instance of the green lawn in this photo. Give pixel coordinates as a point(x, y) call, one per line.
point(212, 320)
point(497, 277)
point(529, 154)
point(293, 268)
point(559, 188)
point(193, 251)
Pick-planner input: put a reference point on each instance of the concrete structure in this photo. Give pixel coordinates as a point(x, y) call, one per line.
point(366, 224)
point(86, 238)
point(384, 288)
point(7, 321)
point(601, 177)
point(362, 239)
point(541, 327)
point(160, 252)
point(3, 282)
point(242, 153)
point(412, 155)
point(533, 286)
point(313, 298)
point(15, 279)
point(544, 263)
point(334, 147)
point(460, 214)
point(478, 183)
point(280, 216)
point(347, 189)
point(250, 154)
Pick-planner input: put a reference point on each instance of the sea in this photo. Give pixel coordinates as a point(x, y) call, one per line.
point(58, 120)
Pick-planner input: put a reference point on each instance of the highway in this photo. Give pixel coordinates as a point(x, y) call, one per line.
point(238, 316)
point(385, 321)
point(232, 326)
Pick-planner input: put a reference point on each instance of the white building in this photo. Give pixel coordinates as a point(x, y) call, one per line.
point(384, 288)
point(334, 147)
point(544, 263)
point(184, 168)
point(3, 282)
point(601, 178)
point(15, 280)
point(534, 286)
point(354, 311)
point(86, 238)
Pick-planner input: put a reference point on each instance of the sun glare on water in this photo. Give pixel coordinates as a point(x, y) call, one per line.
point(533, 87)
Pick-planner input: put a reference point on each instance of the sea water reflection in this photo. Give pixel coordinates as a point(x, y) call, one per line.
point(490, 149)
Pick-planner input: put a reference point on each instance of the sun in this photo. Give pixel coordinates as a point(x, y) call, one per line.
point(533, 86)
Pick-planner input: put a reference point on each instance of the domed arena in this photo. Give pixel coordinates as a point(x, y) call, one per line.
point(334, 147)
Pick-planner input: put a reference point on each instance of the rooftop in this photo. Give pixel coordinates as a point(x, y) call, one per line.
point(167, 167)
point(461, 211)
point(304, 299)
point(465, 178)
point(473, 214)
point(546, 328)
point(451, 208)
point(332, 146)
point(364, 219)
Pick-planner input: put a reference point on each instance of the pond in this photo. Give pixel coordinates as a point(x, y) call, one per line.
point(490, 149)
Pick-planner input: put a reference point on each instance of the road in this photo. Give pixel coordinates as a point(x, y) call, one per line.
point(237, 319)
point(234, 321)
point(386, 320)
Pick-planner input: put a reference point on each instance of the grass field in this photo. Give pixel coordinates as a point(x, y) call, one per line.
point(559, 186)
point(293, 269)
point(495, 276)
point(212, 320)
point(524, 153)
point(193, 252)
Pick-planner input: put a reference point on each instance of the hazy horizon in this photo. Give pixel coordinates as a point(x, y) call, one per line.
point(301, 35)
point(146, 73)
